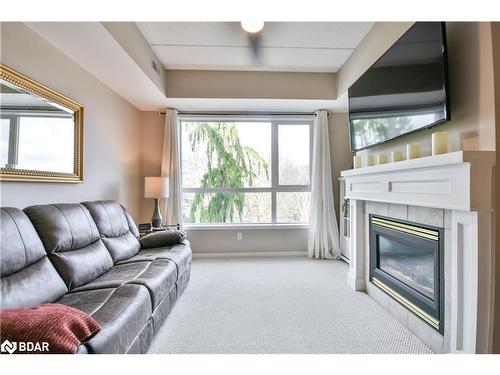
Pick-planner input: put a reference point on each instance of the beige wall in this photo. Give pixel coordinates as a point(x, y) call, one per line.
point(250, 85)
point(138, 48)
point(472, 125)
point(340, 151)
point(496, 59)
point(253, 240)
point(151, 139)
point(123, 145)
point(111, 127)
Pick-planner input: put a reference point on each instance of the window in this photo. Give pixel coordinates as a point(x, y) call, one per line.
point(245, 171)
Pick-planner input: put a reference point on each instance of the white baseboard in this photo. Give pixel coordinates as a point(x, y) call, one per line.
point(253, 254)
point(355, 283)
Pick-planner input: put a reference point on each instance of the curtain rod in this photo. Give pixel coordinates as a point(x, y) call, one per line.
point(245, 113)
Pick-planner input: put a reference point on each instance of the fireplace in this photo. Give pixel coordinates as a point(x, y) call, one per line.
point(406, 262)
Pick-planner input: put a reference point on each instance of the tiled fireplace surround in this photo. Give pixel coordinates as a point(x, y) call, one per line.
point(420, 215)
point(451, 191)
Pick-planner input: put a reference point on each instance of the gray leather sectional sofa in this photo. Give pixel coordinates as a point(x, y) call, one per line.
point(89, 256)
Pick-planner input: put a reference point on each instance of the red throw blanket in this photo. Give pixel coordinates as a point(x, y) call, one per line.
point(47, 328)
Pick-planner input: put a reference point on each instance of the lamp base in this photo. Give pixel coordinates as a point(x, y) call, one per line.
point(156, 220)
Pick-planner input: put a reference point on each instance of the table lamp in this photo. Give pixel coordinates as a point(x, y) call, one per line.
point(157, 188)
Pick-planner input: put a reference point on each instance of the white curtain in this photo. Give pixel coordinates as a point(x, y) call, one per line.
point(170, 167)
point(323, 230)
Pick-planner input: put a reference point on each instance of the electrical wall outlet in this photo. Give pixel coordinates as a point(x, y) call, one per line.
point(239, 236)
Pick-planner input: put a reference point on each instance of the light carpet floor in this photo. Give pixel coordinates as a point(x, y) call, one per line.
point(278, 305)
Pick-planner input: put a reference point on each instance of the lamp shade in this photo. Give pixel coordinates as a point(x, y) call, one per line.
point(156, 187)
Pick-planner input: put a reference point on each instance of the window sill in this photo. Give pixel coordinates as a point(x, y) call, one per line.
point(196, 227)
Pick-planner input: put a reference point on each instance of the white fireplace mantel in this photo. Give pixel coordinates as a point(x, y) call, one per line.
point(454, 181)
point(461, 182)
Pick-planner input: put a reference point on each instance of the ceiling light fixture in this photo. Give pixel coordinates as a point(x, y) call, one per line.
point(252, 26)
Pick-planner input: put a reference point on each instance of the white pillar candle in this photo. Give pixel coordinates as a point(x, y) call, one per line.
point(381, 159)
point(412, 151)
point(369, 161)
point(439, 143)
point(356, 160)
point(396, 156)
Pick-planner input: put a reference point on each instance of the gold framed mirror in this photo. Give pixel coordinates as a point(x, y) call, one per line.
point(41, 132)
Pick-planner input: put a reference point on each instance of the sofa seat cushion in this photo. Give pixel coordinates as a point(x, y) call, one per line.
point(121, 312)
point(180, 254)
point(158, 277)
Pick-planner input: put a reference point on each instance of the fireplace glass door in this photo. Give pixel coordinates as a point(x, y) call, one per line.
point(412, 265)
point(406, 263)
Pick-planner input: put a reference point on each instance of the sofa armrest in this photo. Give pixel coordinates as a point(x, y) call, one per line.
point(162, 238)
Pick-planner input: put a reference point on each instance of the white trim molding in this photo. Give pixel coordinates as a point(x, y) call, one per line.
point(462, 183)
point(245, 226)
point(356, 276)
point(252, 254)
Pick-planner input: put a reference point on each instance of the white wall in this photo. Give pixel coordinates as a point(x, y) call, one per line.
point(111, 127)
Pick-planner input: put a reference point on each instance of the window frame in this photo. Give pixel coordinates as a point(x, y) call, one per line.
point(275, 187)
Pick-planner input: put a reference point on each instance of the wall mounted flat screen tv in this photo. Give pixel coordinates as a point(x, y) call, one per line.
point(404, 91)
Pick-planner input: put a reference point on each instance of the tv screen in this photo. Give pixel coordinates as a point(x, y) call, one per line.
point(404, 91)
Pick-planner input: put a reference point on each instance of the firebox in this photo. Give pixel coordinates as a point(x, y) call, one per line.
point(406, 262)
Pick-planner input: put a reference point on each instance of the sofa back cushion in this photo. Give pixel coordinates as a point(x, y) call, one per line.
point(27, 277)
point(117, 229)
point(72, 241)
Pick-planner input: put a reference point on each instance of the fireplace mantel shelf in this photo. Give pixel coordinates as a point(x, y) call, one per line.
point(452, 158)
point(441, 181)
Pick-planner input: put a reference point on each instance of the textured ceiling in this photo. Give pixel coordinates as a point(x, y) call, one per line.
point(283, 46)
